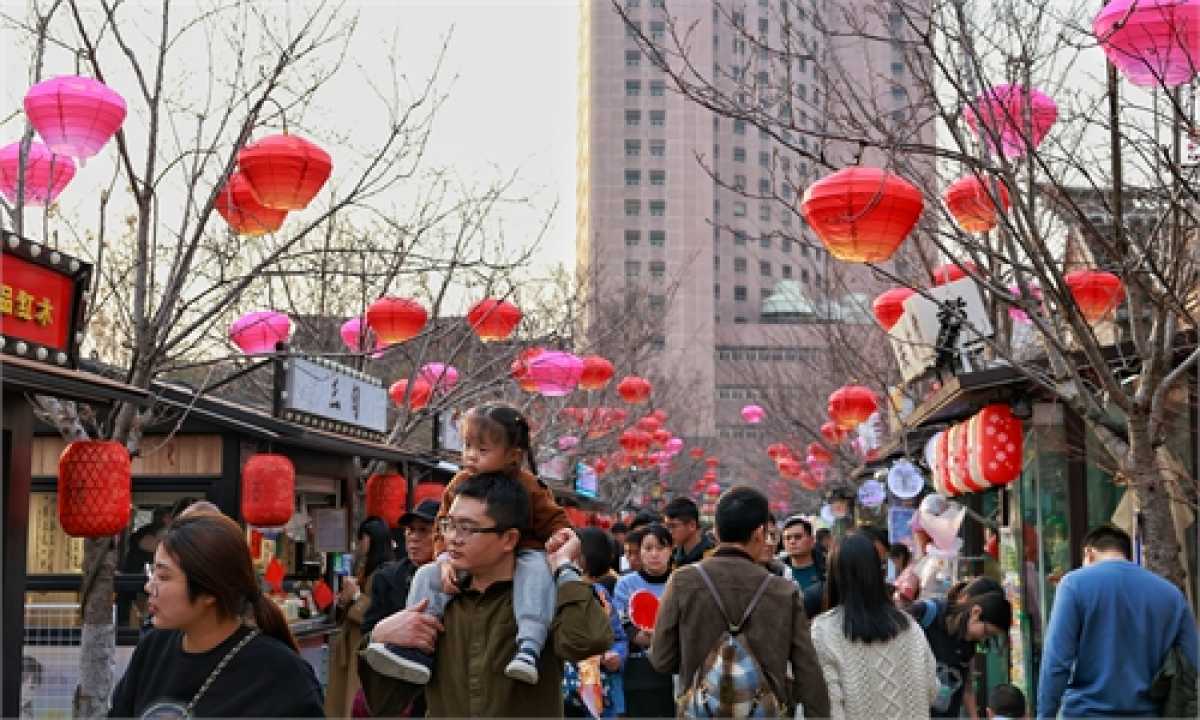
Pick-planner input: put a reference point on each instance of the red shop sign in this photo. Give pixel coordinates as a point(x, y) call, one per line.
point(40, 301)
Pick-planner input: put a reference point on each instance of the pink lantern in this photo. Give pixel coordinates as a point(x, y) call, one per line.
point(753, 414)
point(554, 373)
point(998, 116)
point(258, 332)
point(74, 116)
point(674, 445)
point(46, 174)
point(440, 376)
point(352, 330)
point(1016, 313)
point(567, 442)
point(1151, 41)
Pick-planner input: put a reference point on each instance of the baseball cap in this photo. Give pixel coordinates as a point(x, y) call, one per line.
point(426, 510)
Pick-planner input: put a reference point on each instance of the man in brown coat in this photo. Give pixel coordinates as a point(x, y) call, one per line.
point(690, 624)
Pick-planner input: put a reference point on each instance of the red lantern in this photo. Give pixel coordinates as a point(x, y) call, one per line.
point(713, 489)
point(385, 497)
point(889, 306)
point(596, 373)
point(833, 433)
point(807, 480)
point(427, 491)
point(661, 436)
point(94, 488)
point(660, 414)
point(395, 320)
point(862, 214)
point(696, 452)
point(996, 446)
point(958, 457)
point(418, 397)
point(600, 466)
point(285, 171)
point(520, 369)
point(246, 216)
point(493, 319)
point(268, 490)
point(819, 453)
point(790, 468)
point(970, 203)
point(712, 463)
point(1097, 293)
point(634, 442)
point(950, 272)
point(778, 451)
point(851, 405)
point(634, 390)
point(648, 424)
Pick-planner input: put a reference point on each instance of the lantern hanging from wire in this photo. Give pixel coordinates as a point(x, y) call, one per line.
point(696, 453)
point(1151, 42)
point(818, 454)
point(285, 171)
point(493, 319)
point(862, 214)
point(833, 433)
point(258, 332)
point(953, 272)
point(94, 488)
point(440, 377)
point(395, 319)
point(753, 414)
point(555, 373)
point(889, 306)
point(427, 491)
point(268, 490)
point(648, 424)
point(243, 212)
point(778, 451)
point(597, 372)
point(1096, 292)
point(520, 368)
point(972, 203)
point(46, 174)
point(712, 462)
point(352, 332)
point(661, 437)
point(790, 468)
point(808, 480)
point(999, 118)
point(418, 396)
point(851, 405)
point(634, 390)
point(386, 496)
point(674, 445)
point(74, 116)
point(996, 446)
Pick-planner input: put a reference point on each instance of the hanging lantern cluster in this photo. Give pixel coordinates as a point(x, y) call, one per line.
point(634, 390)
point(46, 174)
point(94, 488)
point(257, 333)
point(1151, 42)
point(851, 405)
point(493, 319)
point(998, 118)
point(985, 451)
point(889, 306)
point(386, 495)
point(1096, 292)
point(862, 214)
point(268, 490)
point(973, 203)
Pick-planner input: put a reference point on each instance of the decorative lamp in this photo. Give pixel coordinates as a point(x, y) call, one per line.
point(778, 451)
point(418, 397)
point(953, 272)
point(268, 490)
point(674, 445)
point(634, 390)
point(807, 480)
point(386, 495)
point(972, 205)
point(696, 452)
point(439, 376)
point(819, 453)
point(661, 437)
point(352, 330)
point(871, 494)
point(75, 116)
point(427, 491)
point(94, 488)
point(648, 424)
point(597, 372)
point(285, 172)
point(1096, 292)
point(1151, 42)
point(520, 368)
point(493, 319)
point(889, 306)
point(790, 468)
point(753, 414)
point(236, 203)
point(712, 463)
point(851, 405)
point(46, 174)
point(833, 433)
point(862, 214)
point(996, 446)
point(258, 332)
point(998, 117)
point(395, 320)
point(554, 373)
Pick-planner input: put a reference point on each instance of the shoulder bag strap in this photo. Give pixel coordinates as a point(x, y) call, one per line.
point(762, 588)
point(713, 590)
point(191, 706)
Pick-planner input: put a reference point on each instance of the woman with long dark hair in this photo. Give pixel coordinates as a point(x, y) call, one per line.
point(220, 648)
point(874, 658)
point(373, 549)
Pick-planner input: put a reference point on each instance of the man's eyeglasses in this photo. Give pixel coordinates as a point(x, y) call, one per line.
point(450, 528)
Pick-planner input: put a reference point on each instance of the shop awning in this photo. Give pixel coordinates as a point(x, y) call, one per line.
point(38, 378)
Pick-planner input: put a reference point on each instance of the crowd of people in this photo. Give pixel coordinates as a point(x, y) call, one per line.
point(497, 607)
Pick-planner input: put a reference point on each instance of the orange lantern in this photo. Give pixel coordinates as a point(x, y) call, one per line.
point(634, 390)
point(862, 214)
point(94, 488)
point(833, 433)
point(493, 319)
point(970, 203)
point(951, 272)
point(851, 405)
point(889, 306)
point(597, 372)
point(427, 491)
point(285, 171)
point(246, 216)
point(386, 494)
point(1097, 293)
point(819, 453)
point(395, 320)
point(418, 397)
point(268, 490)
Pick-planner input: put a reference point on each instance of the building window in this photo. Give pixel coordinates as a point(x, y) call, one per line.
point(764, 213)
point(787, 271)
point(633, 148)
point(739, 208)
point(764, 159)
point(658, 118)
point(764, 186)
point(739, 182)
point(658, 88)
point(804, 275)
point(658, 148)
point(765, 241)
point(739, 265)
point(631, 4)
point(633, 58)
point(787, 218)
point(658, 343)
point(739, 293)
point(739, 154)
point(764, 293)
point(656, 3)
point(633, 178)
point(739, 127)
point(633, 88)
point(658, 177)
point(786, 243)
point(632, 238)
point(803, 250)
point(633, 269)
point(740, 320)
point(658, 269)
point(658, 30)
point(658, 208)
point(897, 68)
point(633, 208)
point(716, 262)
point(716, 291)
point(764, 268)
point(786, 190)
point(739, 237)
point(657, 302)
point(658, 238)
point(633, 118)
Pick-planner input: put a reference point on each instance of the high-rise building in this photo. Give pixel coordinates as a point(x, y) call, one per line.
point(697, 213)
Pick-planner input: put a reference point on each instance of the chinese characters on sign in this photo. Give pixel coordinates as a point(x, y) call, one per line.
point(38, 289)
point(335, 393)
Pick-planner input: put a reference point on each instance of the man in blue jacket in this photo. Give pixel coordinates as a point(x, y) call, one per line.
point(1112, 625)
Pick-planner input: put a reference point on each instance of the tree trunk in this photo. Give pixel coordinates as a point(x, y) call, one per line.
point(1151, 485)
point(97, 645)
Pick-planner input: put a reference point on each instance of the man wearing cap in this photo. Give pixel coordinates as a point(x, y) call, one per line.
point(389, 589)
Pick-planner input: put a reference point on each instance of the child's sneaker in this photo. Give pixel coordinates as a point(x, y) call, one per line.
point(523, 666)
point(394, 661)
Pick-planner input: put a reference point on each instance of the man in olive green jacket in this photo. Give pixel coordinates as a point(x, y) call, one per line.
point(478, 635)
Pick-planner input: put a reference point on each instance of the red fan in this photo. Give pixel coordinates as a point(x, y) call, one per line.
point(274, 575)
point(643, 610)
point(322, 594)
